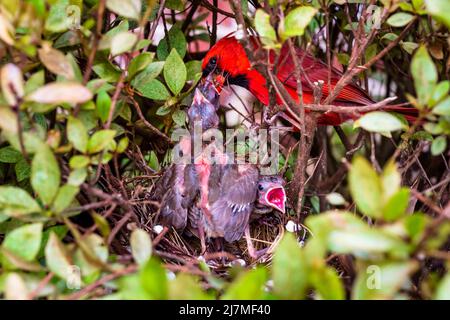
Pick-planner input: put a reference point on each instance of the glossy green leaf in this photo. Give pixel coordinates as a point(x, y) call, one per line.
point(382, 281)
point(248, 286)
point(399, 19)
point(77, 134)
point(264, 28)
point(438, 145)
point(56, 258)
point(65, 196)
point(155, 90)
point(439, 9)
point(175, 72)
point(126, 8)
point(186, 287)
point(379, 121)
point(139, 63)
point(296, 22)
point(9, 155)
point(176, 41)
point(123, 42)
point(25, 241)
point(424, 73)
point(289, 270)
point(15, 201)
point(100, 140)
point(154, 279)
point(45, 175)
point(103, 104)
point(365, 187)
point(443, 108)
point(141, 246)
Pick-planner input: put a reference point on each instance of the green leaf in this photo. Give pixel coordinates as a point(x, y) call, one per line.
point(139, 63)
point(24, 242)
point(126, 8)
point(61, 92)
point(396, 205)
point(409, 46)
point(399, 19)
point(79, 162)
point(56, 258)
point(175, 72)
point(186, 287)
point(440, 91)
point(443, 289)
point(382, 281)
point(77, 134)
point(439, 9)
point(439, 145)
point(122, 145)
point(141, 246)
point(103, 105)
point(365, 187)
point(64, 198)
point(179, 117)
point(442, 108)
point(10, 155)
point(45, 175)
point(424, 74)
point(296, 22)
point(153, 279)
point(100, 140)
point(176, 41)
point(16, 201)
point(343, 232)
point(390, 179)
point(77, 177)
point(248, 286)
point(289, 269)
point(149, 73)
point(153, 162)
point(123, 42)
point(193, 69)
point(327, 283)
point(154, 89)
point(56, 62)
point(22, 169)
point(264, 28)
point(335, 199)
point(57, 17)
point(379, 121)
point(106, 71)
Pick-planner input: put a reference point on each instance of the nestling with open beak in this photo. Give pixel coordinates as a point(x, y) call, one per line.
point(214, 198)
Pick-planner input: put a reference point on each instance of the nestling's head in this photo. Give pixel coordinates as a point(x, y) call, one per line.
point(204, 106)
point(271, 192)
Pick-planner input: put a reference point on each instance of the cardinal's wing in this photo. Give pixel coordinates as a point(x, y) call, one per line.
point(315, 70)
point(231, 212)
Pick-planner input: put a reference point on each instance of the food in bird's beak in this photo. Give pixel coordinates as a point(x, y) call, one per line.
point(276, 198)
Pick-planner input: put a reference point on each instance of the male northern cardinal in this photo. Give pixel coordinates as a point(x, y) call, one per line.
point(212, 197)
point(228, 61)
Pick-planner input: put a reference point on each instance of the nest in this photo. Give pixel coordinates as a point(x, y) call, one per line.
point(182, 252)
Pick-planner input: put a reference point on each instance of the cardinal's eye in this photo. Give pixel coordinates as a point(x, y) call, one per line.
point(260, 187)
point(213, 61)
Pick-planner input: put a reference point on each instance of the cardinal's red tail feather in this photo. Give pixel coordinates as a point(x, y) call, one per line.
point(410, 113)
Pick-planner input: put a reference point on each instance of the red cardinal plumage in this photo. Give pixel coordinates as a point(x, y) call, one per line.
point(228, 60)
